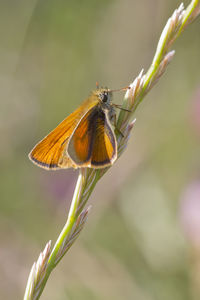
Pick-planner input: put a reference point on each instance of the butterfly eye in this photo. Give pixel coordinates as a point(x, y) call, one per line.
point(104, 97)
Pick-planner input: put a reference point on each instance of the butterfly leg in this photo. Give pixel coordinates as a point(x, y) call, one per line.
point(115, 125)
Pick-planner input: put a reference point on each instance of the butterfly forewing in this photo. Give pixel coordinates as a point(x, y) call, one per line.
point(50, 153)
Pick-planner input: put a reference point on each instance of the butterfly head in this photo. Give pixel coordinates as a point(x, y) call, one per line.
point(104, 95)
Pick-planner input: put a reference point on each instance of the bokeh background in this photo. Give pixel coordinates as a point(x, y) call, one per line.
point(142, 239)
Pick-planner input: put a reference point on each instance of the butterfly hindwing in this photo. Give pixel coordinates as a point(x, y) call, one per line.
point(104, 150)
point(93, 142)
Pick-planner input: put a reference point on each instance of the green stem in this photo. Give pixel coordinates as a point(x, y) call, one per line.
point(72, 216)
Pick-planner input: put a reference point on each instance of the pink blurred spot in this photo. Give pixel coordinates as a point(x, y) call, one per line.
point(190, 212)
point(58, 184)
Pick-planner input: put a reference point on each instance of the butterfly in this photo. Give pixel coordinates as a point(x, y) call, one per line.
point(85, 139)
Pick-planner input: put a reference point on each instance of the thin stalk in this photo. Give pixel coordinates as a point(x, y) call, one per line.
point(65, 231)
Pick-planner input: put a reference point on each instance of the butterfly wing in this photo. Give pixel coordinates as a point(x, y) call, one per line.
point(50, 153)
point(93, 143)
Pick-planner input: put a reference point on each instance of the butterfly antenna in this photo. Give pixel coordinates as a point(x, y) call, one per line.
point(97, 85)
point(122, 89)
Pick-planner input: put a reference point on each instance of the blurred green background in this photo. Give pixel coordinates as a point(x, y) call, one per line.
point(142, 239)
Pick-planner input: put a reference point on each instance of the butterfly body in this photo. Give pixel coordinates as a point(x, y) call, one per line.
point(84, 139)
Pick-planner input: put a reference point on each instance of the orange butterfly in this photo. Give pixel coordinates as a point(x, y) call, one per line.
point(84, 139)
